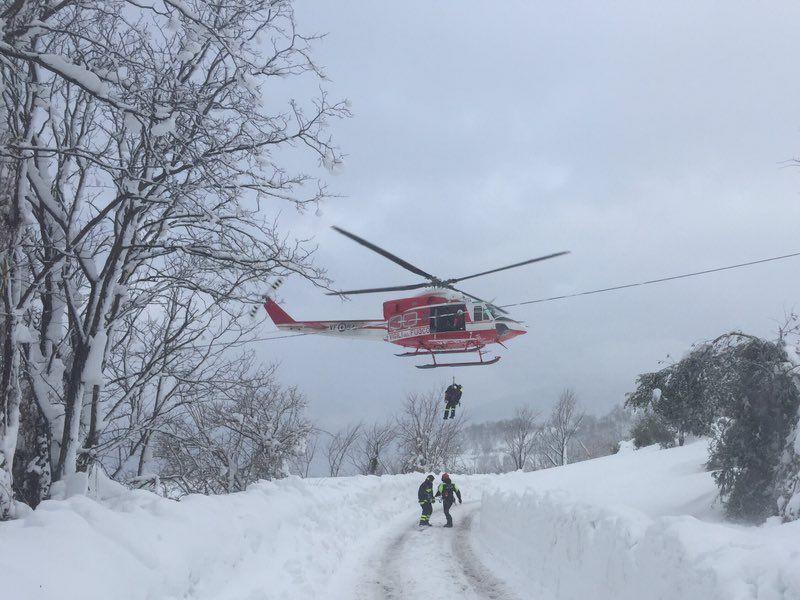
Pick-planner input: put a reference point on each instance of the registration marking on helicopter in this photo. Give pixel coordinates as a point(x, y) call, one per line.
point(341, 327)
point(407, 333)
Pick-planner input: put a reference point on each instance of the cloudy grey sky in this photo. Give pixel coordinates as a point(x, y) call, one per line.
point(648, 139)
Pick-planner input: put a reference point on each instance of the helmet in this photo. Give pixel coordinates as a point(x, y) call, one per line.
point(445, 477)
point(429, 478)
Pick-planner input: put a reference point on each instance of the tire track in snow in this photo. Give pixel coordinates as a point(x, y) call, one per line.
point(436, 561)
point(482, 579)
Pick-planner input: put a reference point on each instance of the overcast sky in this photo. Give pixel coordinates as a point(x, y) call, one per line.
point(649, 139)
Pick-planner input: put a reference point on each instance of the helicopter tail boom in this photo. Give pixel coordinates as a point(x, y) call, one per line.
point(362, 329)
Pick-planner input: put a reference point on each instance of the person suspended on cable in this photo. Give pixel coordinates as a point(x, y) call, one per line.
point(425, 497)
point(448, 492)
point(452, 398)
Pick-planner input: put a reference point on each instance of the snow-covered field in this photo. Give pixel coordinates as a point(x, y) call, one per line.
point(635, 525)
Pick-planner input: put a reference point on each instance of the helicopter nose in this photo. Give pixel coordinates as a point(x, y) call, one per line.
point(509, 329)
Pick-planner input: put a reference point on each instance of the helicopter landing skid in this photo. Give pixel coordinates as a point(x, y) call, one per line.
point(434, 365)
point(477, 363)
point(429, 353)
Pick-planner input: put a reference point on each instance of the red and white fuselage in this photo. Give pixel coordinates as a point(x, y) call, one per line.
point(435, 321)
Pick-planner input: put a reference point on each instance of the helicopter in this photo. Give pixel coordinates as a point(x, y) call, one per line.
point(440, 320)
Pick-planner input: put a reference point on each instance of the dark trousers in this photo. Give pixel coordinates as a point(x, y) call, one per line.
point(447, 504)
point(427, 509)
point(450, 410)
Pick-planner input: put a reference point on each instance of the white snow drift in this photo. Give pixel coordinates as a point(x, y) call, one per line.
point(632, 526)
point(635, 525)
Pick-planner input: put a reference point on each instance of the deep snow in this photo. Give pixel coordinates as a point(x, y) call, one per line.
point(632, 526)
point(635, 525)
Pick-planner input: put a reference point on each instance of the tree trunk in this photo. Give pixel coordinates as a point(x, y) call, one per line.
point(32, 462)
point(86, 457)
point(73, 404)
point(143, 454)
point(10, 392)
point(10, 397)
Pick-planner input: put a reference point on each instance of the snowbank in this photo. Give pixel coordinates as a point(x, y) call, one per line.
point(282, 539)
point(637, 526)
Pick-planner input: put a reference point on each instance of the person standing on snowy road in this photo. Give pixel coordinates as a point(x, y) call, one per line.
point(448, 491)
point(425, 496)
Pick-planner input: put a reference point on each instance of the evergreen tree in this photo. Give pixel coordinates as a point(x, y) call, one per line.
point(741, 391)
point(650, 428)
point(749, 438)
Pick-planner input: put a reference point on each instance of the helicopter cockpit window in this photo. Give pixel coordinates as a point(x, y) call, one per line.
point(448, 318)
point(482, 313)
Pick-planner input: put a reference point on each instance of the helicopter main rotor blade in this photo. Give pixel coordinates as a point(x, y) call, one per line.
point(481, 300)
point(396, 288)
point(395, 259)
point(515, 265)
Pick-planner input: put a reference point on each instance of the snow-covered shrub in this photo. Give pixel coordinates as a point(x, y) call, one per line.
point(650, 428)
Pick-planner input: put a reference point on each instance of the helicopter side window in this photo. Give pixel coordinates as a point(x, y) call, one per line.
point(448, 318)
point(482, 313)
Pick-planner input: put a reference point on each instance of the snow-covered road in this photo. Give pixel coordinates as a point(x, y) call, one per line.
point(435, 560)
point(634, 526)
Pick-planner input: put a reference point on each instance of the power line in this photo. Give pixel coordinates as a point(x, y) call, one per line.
point(244, 342)
point(277, 337)
point(282, 337)
point(660, 280)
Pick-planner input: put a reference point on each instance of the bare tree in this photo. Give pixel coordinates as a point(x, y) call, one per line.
point(136, 138)
point(369, 454)
point(250, 428)
point(176, 340)
point(428, 442)
point(301, 464)
point(340, 447)
point(521, 437)
point(564, 423)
